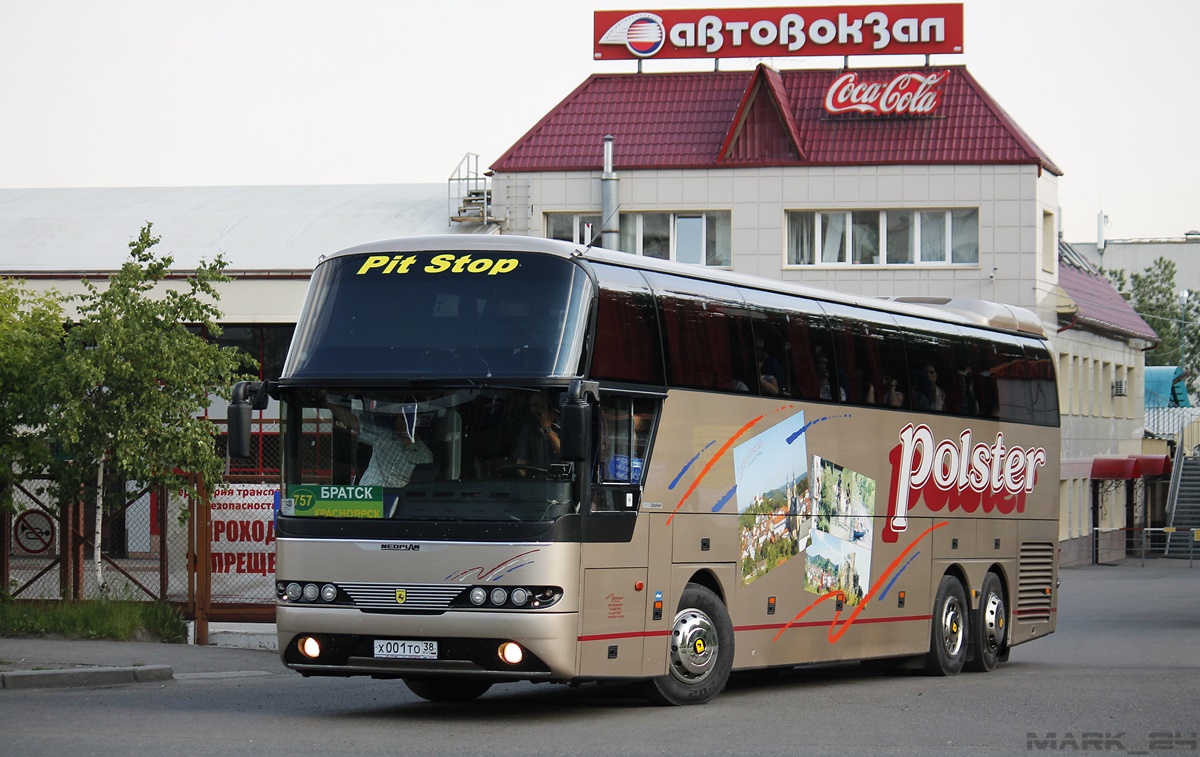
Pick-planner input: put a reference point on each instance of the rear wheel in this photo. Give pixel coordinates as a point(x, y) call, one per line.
point(989, 631)
point(448, 689)
point(948, 636)
point(701, 651)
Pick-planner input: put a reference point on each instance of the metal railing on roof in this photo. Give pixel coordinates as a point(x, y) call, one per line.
point(469, 193)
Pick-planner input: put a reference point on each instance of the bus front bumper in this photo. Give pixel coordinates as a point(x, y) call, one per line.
point(468, 643)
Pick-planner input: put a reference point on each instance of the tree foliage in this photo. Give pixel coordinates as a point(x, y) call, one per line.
point(31, 332)
point(1155, 296)
point(133, 378)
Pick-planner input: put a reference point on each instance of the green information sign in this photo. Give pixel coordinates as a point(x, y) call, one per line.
point(331, 501)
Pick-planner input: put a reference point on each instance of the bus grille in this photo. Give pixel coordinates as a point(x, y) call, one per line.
point(1035, 582)
point(386, 596)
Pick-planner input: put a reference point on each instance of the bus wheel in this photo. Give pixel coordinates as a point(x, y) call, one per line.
point(701, 652)
point(948, 637)
point(448, 689)
point(989, 631)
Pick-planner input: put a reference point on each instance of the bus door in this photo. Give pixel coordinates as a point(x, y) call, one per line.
point(616, 602)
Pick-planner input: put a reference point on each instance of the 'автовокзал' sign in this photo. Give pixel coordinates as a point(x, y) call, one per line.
point(779, 32)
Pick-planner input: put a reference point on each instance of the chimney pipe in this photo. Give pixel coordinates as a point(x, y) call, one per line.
point(610, 222)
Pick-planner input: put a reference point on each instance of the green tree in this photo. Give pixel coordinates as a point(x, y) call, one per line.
point(135, 378)
point(31, 334)
point(1155, 296)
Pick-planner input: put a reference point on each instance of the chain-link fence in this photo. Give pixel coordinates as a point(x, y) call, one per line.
point(51, 546)
point(149, 546)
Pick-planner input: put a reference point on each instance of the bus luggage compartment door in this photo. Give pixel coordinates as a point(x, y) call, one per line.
point(614, 622)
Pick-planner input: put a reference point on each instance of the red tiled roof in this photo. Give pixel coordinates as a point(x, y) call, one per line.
point(696, 120)
point(1101, 306)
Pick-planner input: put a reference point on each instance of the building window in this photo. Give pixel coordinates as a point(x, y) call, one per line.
point(697, 238)
point(571, 227)
point(883, 237)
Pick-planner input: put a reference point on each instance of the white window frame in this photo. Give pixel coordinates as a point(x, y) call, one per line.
point(846, 261)
point(636, 217)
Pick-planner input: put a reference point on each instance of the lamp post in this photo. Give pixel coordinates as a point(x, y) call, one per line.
point(1183, 299)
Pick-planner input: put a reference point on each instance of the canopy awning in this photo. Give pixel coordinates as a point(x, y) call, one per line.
point(1130, 466)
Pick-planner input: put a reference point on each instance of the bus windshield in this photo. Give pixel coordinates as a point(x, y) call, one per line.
point(442, 315)
point(471, 454)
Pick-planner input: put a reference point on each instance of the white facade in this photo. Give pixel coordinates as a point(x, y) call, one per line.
point(1017, 264)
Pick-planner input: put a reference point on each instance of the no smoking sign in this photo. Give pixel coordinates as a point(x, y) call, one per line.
point(34, 531)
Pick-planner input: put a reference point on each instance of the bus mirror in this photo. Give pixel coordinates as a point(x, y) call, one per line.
point(575, 421)
point(246, 398)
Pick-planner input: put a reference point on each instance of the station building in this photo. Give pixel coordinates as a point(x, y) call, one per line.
point(750, 171)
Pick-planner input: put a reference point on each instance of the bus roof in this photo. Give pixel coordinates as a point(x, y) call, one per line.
point(960, 310)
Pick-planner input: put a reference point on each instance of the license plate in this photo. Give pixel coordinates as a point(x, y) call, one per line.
point(406, 650)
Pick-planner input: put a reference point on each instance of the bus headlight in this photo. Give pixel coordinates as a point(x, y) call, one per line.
point(311, 592)
point(293, 591)
point(519, 596)
point(499, 596)
point(478, 596)
point(309, 647)
point(328, 592)
point(511, 653)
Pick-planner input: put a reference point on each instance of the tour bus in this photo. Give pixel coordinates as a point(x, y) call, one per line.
point(517, 459)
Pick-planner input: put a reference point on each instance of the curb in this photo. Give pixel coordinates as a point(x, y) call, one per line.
point(79, 677)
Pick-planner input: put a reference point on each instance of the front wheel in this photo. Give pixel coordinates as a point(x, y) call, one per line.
point(701, 651)
point(948, 636)
point(989, 631)
point(448, 689)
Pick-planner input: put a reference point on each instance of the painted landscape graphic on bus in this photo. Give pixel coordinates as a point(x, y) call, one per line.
point(775, 513)
point(840, 556)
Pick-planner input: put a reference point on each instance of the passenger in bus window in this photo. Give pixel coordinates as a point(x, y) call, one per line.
point(768, 379)
point(395, 449)
point(892, 396)
point(864, 389)
point(970, 404)
point(538, 444)
point(929, 394)
point(824, 381)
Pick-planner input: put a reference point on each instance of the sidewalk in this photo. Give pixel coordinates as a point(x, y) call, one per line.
point(235, 650)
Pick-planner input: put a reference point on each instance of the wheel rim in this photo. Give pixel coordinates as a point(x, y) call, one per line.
point(993, 623)
point(952, 626)
point(694, 646)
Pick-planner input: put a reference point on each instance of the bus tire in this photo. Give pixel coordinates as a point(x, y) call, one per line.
point(989, 629)
point(700, 656)
point(450, 689)
point(949, 633)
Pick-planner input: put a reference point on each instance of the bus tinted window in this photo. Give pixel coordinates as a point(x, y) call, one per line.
point(870, 358)
point(1043, 393)
point(707, 331)
point(442, 314)
point(627, 346)
point(933, 356)
point(788, 333)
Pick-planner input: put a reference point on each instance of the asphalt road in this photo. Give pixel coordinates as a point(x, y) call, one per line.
point(1121, 676)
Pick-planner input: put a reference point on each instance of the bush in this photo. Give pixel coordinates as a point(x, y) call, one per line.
point(118, 620)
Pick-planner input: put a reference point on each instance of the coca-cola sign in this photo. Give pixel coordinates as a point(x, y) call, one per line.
point(779, 32)
point(907, 94)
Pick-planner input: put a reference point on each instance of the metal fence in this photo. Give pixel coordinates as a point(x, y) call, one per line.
point(1110, 544)
point(158, 545)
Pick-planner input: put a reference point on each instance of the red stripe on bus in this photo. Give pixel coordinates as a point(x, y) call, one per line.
point(746, 629)
point(627, 635)
point(825, 623)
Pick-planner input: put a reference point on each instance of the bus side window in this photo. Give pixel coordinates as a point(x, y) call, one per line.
point(626, 424)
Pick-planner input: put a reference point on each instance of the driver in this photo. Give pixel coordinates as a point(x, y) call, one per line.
point(538, 445)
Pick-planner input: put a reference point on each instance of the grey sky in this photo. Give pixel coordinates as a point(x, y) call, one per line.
point(236, 92)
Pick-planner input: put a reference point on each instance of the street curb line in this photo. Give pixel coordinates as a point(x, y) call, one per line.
point(81, 677)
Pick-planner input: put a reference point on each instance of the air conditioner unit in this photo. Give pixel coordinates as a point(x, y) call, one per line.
point(1120, 389)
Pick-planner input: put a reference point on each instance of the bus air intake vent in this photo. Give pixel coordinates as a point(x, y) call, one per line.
point(1035, 582)
point(397, 596)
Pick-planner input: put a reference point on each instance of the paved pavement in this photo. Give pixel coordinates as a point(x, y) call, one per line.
point(234, 650)
point(249, 649)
